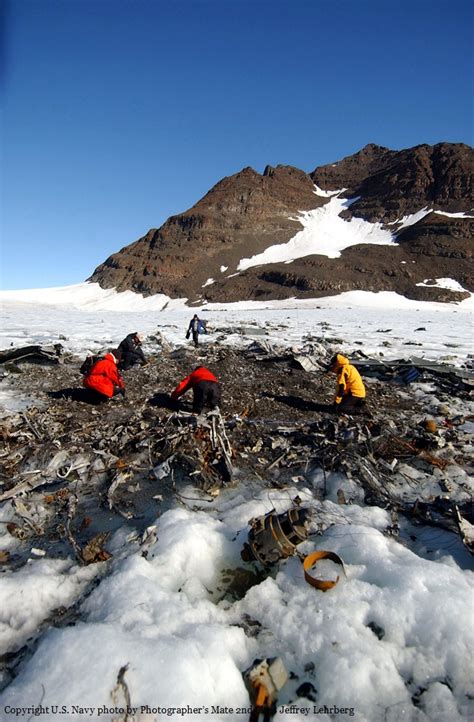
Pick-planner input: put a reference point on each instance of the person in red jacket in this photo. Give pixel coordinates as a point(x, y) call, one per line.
point(205, 388)
point(104, 378)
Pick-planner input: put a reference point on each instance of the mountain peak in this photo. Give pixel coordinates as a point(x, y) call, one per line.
point(205, 252)
point(372, 149)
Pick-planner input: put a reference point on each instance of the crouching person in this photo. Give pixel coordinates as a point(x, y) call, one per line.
point(350, 389)
point(132, 352)
point(104, 379)
point(205, 388)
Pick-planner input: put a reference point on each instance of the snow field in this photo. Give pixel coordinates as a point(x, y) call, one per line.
point(157, 615)
point(356, 317)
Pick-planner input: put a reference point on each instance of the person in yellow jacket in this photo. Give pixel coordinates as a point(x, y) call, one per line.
point(350, 389)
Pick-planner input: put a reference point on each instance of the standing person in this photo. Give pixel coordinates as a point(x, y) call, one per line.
point(350, 389)
point(195, 326)
point(205, 388)
point(132, 352)
point(104, 378)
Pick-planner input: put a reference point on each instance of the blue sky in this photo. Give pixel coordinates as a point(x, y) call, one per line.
point(120, 113)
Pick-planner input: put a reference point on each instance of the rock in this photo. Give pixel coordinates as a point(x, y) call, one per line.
point(252, 331)
point(308, 363)
point(247, 212)
point(390, 184)
point(240, 216)
point(32, 354)
point(12, 368)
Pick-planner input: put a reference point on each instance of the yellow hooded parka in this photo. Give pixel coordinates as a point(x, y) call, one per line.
point(348, 379)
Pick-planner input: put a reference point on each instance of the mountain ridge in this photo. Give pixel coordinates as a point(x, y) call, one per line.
point(196, 254)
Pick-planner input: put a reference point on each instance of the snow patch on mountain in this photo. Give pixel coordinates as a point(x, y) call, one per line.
point(411, 219)
point(453, 215)
point(327, 194)
point(448, 283)
point(324, 233)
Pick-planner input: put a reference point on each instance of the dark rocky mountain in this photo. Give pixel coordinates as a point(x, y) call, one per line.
point(391, 184)
point(244, 214)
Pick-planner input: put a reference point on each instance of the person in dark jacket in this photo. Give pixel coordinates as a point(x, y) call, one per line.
point(132, 352)
point(194, 327)
point(205, 388)
point(104, 379)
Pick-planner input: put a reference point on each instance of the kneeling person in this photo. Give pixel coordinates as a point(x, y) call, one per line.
point(350, 389)
point(104, 378)
point(132, 352)
point(205, 388)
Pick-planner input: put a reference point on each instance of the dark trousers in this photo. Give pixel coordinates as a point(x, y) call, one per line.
point(351, 404)
point(206, 393)
point(129, 358)
point(195, 338)
point(97, 398)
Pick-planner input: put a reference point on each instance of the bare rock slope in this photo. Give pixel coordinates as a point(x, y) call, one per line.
point(246, 213)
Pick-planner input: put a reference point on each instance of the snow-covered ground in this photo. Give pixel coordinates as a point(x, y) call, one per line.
point(392, 641)
point(89, 318)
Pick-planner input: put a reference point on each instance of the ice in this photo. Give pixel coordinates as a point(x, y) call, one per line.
point(11, 401)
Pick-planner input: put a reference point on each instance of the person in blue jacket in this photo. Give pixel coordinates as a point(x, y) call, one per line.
point(195, 327)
